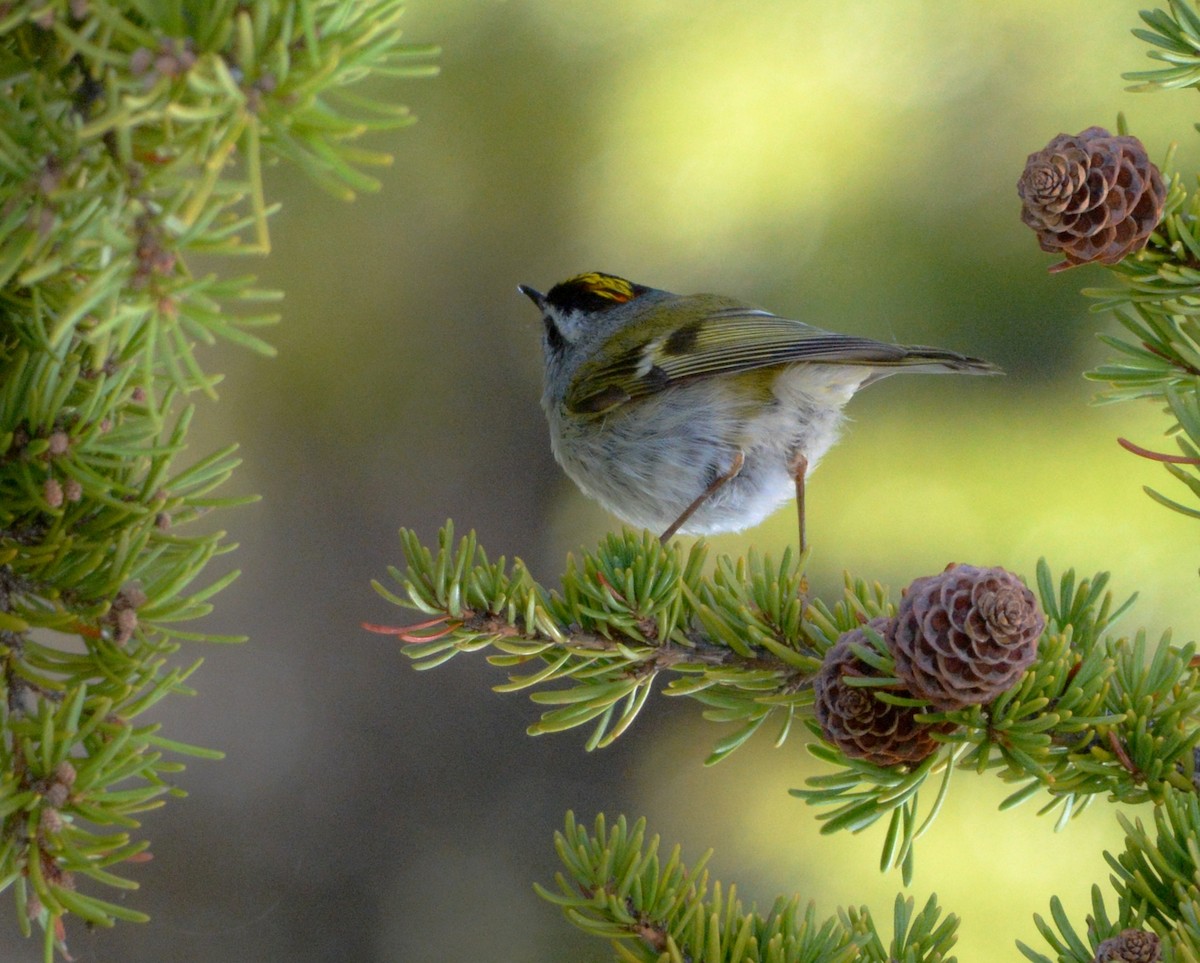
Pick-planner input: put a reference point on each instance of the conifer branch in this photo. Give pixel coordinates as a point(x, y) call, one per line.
point(1096, 714)
point(655, 909)
point(1156, 880)
point(132, 137)
point(1155, 299)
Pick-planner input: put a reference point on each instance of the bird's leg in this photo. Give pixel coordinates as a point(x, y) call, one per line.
point(799, 467)
point(739, 459)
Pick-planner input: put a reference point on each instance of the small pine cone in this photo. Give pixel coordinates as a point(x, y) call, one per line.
point(862, 726)
point(965, 635)
point(52, 492)
point(1130, 946)
point(65, 774)
point(1093, 196)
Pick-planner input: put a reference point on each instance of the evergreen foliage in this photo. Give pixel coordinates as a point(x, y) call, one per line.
point(654, 909)
point(1155, 299)
point(133, 135)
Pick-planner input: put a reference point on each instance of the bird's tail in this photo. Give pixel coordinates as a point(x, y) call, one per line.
point(922, 360)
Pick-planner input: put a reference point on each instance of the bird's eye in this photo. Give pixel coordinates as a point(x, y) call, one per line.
point(554, 337)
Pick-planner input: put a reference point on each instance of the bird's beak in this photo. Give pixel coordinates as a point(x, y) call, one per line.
point(534, 295)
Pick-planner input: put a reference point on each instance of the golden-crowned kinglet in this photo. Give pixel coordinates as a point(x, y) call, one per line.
point(698, 413)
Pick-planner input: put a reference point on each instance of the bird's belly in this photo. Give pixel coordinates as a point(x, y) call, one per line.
point(647, 462)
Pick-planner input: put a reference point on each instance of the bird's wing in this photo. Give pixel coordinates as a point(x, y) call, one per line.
point(709, 336)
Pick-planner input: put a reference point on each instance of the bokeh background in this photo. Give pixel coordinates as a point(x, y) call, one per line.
point(848, 163)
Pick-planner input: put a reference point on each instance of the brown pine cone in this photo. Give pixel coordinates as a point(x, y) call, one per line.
point(965, 635)
point(862, 726)
point(1130, 946)
point(1093, 196)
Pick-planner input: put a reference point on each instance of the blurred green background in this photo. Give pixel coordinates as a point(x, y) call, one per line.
point(851, 163)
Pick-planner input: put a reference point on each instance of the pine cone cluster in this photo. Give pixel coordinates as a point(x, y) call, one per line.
point(1093, 196)
point(859, 724)
point(1130, 946)
point(960, 638)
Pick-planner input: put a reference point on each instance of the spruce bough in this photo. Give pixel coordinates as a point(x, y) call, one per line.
point(133, 136)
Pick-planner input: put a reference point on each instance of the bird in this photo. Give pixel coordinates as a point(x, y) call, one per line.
point(700, 413)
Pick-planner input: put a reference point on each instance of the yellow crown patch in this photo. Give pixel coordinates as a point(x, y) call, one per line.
point(605, 286)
